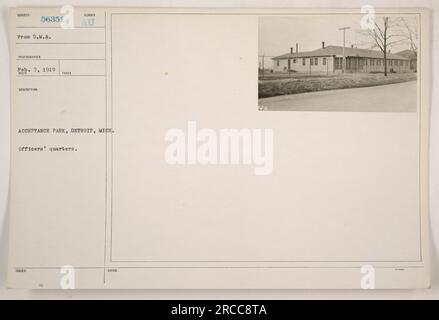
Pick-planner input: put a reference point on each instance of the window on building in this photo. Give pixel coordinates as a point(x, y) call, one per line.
point(372, 62)
point(338, 63)
point(378, 62)
point(311, 61)
point(316, 61)
point(294, 60)
point(303, 61)
point(324, 61)
point(277, 63)
point(401, 62)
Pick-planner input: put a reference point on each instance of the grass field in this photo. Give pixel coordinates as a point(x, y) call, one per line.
point(303, 83)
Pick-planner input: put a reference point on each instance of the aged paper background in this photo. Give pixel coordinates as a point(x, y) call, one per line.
point(40, 293)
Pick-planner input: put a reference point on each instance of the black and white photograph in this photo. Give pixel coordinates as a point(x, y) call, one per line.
point(338, 63)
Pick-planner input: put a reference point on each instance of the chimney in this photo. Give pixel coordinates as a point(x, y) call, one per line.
point(352, 46)
point(291, 50)
point(323, 44)
point(297, 48)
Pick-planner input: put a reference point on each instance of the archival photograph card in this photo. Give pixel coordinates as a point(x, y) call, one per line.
point(145, 152)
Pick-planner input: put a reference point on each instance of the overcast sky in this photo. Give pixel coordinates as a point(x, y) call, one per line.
point(278, 34)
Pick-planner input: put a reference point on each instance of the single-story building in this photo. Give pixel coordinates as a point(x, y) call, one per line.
point(329, 59)
point(412, 56)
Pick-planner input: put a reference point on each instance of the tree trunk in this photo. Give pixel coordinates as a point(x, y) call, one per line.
point(386, 20)
point(385, 62)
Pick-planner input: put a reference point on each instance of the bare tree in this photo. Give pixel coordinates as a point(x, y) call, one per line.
point(409, 30)
point(384, 33)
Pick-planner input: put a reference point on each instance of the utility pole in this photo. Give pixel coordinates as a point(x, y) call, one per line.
point(327, 71)
point(344, 45)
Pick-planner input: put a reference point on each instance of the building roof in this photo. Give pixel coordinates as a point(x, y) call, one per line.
point(338, 51)
point(409, 54)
